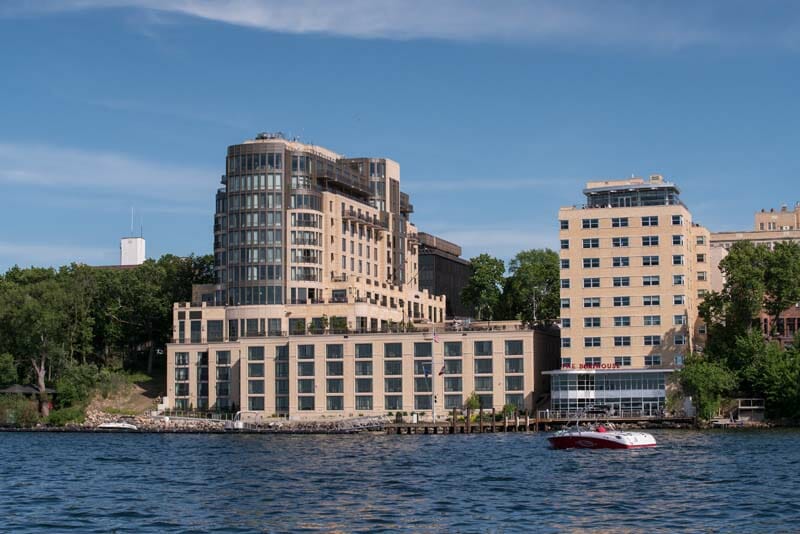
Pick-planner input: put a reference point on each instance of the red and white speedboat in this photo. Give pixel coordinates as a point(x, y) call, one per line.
point(600, 437)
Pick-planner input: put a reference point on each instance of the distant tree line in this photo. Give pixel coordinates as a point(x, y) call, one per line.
point(53, 320)
point(528, 293)
point(740, 359)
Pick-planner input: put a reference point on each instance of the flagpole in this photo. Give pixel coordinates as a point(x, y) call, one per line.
point(433, 380)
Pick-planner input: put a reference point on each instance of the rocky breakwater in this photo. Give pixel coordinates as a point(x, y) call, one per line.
point(145, 423)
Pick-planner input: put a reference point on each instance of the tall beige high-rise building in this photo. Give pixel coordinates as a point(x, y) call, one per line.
point(317, 268)
point(634, 267)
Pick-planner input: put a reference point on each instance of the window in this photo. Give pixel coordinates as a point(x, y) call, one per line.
point(649, 261)
point(483, 366)
point(452, 348)
point(654, 359)
point(453, 384)
point(622, 301)
point(452, 401)
point(592, 360)
point(650, 241)
point(364, 385)
point(483, 348)
point(677, 259)
point(701, 258)
point(591, 322)
point(620, 242)
point(652, 341)
point(680, 339)
point(591, 342)
point(363, 350)
point(514, 347)
point(393, 367)
point(565, 283)
point(619, 222)
point(255, 354)
point(624, 361)
point(334, 368)
point(651, 280)
point(514, 383)
point(677, 279)
point(591, 243)
point(564, 244)
point(677, 240)
point(590, 223)
point(363, 402)
point(393, 402)
point(422, 350)
point(182, 373)
point(677, 220)
point(622, 341)
point(591, 263)
point(565, 264)
point(305, 352)
point(564, 303)
point(621, 261)
point(622, 281)
point(334, 352)
point(677, 300)
point(514, 365)
point(181, 358)
point(566, 342)
point(564, 224)
point(591, 302)
point(651, 300)
point(335, 403)
point(591, 282)
point(223, 357)
point(364, 368)
point(651, 220)
point(622, 320)
point(305, 386)
point(566, 322)
point(255, 403)
point(679, 320)
point(255, 370)
point(652, 320)
point(305, 368)
point(393, 350)
point(452, 367)
point(701, 240)
point(566, 362)
point(483, 383)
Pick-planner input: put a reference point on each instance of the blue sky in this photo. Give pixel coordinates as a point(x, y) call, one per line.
point(497, 112)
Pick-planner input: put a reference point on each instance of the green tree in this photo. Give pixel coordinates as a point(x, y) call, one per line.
point(782, 280)
point(706, 381)
point(473, 402)
point(774, 373)
point(483, 290)
point(8, 370)
point(744, 269)
point(531, 292)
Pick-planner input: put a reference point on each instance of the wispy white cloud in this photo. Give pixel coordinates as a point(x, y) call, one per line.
point(102, 172)
point(662, 24)
point(54, 255)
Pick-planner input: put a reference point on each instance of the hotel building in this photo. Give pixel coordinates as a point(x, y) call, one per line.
point(316, 296)
point(634, 267)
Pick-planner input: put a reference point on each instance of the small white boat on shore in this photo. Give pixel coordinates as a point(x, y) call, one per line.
point(117, 426)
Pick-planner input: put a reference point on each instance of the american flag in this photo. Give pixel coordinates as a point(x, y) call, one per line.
point(435, 337)
point(441, 371)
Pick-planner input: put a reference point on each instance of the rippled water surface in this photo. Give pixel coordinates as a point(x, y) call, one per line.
point(694, 481)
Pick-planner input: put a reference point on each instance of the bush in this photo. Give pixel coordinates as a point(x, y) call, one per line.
point(73, 414)
point(18, 411)
point(76, 385)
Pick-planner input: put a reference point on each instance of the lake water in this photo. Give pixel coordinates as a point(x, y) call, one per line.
point(694, 481)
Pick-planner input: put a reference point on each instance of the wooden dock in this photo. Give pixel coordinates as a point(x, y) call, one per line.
point(486, 422)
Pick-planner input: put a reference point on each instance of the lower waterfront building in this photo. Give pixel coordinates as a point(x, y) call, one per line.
point(313, 375)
